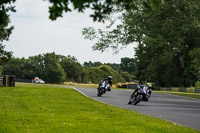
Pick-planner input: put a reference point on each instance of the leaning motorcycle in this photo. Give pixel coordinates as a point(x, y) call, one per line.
point(102, 88)
point(140, 95)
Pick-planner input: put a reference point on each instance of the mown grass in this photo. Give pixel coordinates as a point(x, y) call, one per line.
point(33, 109)
point(192, 95)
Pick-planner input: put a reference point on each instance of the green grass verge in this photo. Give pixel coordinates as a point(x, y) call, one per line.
point(192, 95)
point(33, 109)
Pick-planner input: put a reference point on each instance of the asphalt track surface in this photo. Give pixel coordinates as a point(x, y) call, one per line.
point(177, 109)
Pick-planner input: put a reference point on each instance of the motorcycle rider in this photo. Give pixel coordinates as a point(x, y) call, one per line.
point(149, 88)
point(109, 80)
point(134, 95)
point(142, 90)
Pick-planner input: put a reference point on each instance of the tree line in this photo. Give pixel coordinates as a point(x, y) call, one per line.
point(99, 11)
point(53, 68)
point(167, 33)
point(168, 38)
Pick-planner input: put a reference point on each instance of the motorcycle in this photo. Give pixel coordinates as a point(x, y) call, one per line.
point(140, 95)
point(102, 88)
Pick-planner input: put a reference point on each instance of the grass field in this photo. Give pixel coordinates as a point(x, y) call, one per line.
point(34, 109)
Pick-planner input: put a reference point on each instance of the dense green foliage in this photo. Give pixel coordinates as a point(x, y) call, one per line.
point(197, 84)
point(168, 40)
point(4, 55)
point(72, 68)
point(54, 68)
point(123, 72)
point(99, 8)
point(128, 65)
point(5, 29)
point(34, 109)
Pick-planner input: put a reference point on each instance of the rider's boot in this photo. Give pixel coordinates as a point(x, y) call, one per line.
point(108, 89)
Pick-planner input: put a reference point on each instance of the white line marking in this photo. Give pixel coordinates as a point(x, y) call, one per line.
point(91, 97)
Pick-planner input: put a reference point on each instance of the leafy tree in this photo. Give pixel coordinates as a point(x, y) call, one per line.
point(128, 65)
point(165, 50)
point(97, 64)
point(127, 76)
point(92, 64)
point(109, 71)
point(195, 62)
point(197, 84)
point(21, 68)
point(72, 68)
point(165, 38)
point(4, 55)
point(124, 69)
point(44, 66)
point(54, 73)
point(100, 8)
point(36, 64)
point(5, 29)
point(85, 76)
point(96, 75)
point(114, 66)
point(14, 67)
point(88, 64)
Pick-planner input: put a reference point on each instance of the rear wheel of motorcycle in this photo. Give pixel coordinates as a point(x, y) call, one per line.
point(99, 93)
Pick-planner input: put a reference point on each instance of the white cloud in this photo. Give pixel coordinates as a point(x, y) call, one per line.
point(35, 34)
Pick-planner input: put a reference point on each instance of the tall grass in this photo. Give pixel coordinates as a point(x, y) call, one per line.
point(33, 109)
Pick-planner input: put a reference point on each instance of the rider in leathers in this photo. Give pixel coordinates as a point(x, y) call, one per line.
point(141, 89)
point(109, 80)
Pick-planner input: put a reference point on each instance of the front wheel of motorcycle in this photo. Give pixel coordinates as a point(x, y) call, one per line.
point(99, 93)
point(130, 101)
point(137, 100)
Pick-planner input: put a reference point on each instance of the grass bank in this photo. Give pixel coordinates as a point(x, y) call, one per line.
point(33, 109)
point(192, 95)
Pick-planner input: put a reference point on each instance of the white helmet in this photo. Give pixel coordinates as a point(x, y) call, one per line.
point(109, 77)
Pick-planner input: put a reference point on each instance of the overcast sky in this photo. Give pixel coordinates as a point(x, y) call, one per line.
point(35, 34)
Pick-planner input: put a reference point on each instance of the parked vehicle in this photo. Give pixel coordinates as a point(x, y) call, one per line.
point(38, 80)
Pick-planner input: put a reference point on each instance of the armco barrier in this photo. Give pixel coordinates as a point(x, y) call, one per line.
point(181, 89)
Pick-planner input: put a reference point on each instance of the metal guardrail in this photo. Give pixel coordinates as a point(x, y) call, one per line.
point(24, 80)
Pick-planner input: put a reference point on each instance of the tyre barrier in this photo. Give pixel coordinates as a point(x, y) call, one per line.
point(181, 89)
point(7, 81)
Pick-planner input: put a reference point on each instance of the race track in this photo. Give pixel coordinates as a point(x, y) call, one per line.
point(177, 109)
